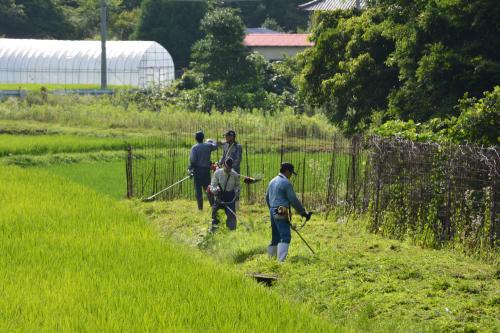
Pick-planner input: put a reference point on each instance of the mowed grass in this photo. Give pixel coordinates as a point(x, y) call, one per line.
point(74, 260)
point(357, 279)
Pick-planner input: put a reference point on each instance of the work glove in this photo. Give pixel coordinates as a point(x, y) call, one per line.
point(307, 215)
point(190, 172)
point(248, 180)
point(213, 190)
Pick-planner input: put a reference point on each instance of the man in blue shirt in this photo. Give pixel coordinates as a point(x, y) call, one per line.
point(199, 165)
point(280, 197)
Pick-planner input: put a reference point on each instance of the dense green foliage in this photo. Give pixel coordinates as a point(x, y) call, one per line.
point(356, 278)
point(345, 71)
point(75, 260)
point(285, 13)
point(225, 75)
point(411, 60)
point(173, 24)
point(66, 19)
point(478, 123)
point(33, 18)
point(221, 55)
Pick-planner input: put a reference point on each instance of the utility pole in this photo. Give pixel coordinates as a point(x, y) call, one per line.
point(104, 70)
point(358, 4)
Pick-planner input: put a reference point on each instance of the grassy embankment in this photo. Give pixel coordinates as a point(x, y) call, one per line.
point(74, 260)
point(356, 278)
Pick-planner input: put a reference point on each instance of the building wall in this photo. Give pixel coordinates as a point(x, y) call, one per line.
point(277, 52)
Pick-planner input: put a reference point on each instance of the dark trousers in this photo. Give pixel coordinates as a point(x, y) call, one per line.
point(201, 181)
point(228, 201)
point(280, 229)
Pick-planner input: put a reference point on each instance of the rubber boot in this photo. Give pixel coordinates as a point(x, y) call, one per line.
point(282, 251)
point(272, 251)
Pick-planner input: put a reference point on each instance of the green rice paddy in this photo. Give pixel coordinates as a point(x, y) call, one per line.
point(74, 260)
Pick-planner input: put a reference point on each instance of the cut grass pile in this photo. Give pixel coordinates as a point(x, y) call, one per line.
point(357, 279)
point(73, 260)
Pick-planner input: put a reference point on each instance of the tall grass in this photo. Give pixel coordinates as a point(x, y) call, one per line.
point(73, 260)
point(121, 112)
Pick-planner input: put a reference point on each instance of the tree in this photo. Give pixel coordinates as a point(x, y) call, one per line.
point(221, 55)
point(407, 59)
point(33, 19)
point(173, 24)
point(285, 12)
point(345, 72)
point(448, 48)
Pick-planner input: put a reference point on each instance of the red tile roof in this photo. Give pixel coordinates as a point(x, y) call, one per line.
point(277, 40)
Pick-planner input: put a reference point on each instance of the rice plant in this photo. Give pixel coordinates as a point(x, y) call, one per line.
point(74, 260)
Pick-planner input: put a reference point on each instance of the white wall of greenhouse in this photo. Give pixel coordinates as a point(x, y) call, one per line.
point(129, 63)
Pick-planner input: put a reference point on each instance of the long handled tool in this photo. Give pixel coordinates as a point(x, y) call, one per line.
point(250, 180)
point(295, 229)
point(234, 214)
point(246, 179)
point(236, 217)
point(167, 188)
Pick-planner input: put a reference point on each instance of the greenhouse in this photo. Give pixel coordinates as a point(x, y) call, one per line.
point(129, 63)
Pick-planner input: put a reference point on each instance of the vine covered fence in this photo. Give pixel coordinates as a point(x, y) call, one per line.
point(433, 194)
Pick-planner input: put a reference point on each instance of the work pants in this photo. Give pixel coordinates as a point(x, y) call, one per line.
point(227, 201)
point(201, 177)
point(280, 229)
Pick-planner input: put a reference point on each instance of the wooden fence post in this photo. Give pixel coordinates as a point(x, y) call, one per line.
point(495, 223)
point(129, 173)
point(248, 172)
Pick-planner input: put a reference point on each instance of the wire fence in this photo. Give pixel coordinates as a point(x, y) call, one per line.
point(319, 157)
point(434, 194)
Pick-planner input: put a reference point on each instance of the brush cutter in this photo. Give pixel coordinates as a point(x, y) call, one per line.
point(236, 217)
point(250, 180)
point(295, 229)
point(149, 199)
point(225, 204)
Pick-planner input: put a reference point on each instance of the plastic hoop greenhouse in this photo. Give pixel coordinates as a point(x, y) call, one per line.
point(129, 63)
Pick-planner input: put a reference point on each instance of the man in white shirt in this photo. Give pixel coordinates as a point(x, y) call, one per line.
point(225, 187)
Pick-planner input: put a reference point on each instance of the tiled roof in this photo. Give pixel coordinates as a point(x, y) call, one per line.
point(332, 4)
point(277, 40)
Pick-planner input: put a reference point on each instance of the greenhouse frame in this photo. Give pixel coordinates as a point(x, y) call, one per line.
point(129, 63)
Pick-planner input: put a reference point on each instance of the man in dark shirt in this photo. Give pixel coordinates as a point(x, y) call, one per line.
point(199, 164)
